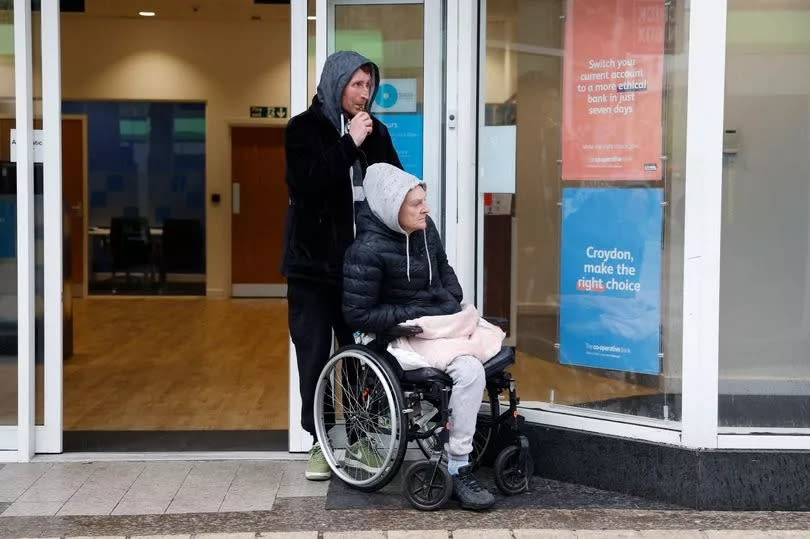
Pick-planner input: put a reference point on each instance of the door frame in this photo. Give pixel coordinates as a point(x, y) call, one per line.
point(458, 43)
point(226, 201)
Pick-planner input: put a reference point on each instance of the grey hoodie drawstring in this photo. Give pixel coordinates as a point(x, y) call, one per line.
point(344, 128)
point(430, 268)
point(408, 257)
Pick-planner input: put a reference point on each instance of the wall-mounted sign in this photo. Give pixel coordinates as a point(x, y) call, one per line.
point(395, 95)
point(38, 152)
point(610, 278)
point(268, 112)
point(612, 86)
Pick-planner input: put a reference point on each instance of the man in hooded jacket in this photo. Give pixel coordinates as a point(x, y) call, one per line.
point(328, 148)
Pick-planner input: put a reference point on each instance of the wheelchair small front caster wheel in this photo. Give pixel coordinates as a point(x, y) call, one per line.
point(426, 485)
point(509, 476)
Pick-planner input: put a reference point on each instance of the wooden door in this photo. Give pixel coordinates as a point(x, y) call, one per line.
point(72, 187)
point(259, 206)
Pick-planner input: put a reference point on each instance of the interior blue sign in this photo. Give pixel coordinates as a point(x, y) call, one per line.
point(406, 133)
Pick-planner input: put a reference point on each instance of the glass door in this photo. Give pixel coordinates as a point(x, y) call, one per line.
point(8, 238)
point(405, 39)
point(31, 307)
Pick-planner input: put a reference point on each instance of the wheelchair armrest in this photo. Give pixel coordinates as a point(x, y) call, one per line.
point(502, 323)
point(389, 335)
point(401, 331)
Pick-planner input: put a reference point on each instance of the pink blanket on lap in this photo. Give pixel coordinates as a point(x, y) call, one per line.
point(444, 338)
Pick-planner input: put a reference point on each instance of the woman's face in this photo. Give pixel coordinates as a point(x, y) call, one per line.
point(414, 210)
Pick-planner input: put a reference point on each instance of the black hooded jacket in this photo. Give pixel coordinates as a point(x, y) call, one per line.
point(377, 291)
point(319, 224)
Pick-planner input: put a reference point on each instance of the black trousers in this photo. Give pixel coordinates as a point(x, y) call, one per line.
point(315, 310)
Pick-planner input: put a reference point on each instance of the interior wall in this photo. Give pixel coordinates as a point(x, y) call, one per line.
point(765, 268)
point(229, 65)
point(537, 76)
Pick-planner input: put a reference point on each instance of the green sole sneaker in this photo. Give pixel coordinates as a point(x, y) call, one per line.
point(363, 456)
point(317, 467)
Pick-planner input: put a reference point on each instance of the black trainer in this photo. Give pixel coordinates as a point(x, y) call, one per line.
point(470, 492)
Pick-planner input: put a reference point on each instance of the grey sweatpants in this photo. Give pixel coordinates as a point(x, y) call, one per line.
point(469, 382)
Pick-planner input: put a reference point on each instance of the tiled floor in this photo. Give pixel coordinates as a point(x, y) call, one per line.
point(148, 488)
point(489, 533)
point(248, 499)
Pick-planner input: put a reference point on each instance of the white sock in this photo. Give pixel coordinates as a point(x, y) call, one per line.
point(454, 463)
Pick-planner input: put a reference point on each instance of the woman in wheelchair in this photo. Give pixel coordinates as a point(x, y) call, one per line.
point(396, 271)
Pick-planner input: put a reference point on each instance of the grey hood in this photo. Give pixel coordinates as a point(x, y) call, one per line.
point(386, 187)
point(337, 71)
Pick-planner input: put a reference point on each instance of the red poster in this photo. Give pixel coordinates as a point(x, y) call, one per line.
point(612, 81)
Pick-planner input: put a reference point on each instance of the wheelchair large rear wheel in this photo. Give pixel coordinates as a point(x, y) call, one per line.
point(358, 418)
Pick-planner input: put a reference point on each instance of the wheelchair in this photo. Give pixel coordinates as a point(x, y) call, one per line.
point(364, 400)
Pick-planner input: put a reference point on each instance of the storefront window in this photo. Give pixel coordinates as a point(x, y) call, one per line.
point(582, 152)
point(765, 269)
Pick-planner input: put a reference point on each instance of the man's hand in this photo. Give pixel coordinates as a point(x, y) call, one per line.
point(360, 128)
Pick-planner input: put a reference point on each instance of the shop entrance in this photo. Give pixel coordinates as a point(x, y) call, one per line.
point(165, 356)
point(405, 39)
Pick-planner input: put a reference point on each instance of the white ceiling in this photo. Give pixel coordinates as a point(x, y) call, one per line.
point(232, 10)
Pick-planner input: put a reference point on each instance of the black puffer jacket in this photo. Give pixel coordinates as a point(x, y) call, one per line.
point(319, 224)
point(377, 293)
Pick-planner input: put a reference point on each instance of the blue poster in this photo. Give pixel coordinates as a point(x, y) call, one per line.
point(406, 133)
point(610, 278)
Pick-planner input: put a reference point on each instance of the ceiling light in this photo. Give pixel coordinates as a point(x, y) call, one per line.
point(146, 13)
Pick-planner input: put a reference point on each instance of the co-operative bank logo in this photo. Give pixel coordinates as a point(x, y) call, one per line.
point(387, 97)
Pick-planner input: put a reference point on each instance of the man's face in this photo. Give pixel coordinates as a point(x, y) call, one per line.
point(356, 93)
point(414, 211)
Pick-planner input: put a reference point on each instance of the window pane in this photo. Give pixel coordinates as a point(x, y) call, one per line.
point(8, 224)
point(765, 272)
point(146, 194)
point(620, 350)
point(392, 37)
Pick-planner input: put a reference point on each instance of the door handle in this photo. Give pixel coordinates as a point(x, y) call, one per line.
point(77, 209)
point(235, 197)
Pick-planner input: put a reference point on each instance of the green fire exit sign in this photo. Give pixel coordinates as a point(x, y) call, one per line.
point(268, 112)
